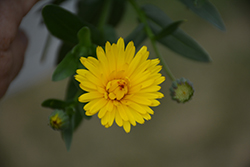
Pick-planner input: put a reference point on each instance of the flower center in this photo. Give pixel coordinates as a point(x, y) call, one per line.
point(116, 89)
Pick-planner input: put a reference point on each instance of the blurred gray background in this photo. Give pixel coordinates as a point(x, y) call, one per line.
point(212, 130)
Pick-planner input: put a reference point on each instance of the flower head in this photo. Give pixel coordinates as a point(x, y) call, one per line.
point(181, 90)
point(58, 120)
point(121, 86)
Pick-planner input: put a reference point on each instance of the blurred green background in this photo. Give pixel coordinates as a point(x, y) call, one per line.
point(212, 130)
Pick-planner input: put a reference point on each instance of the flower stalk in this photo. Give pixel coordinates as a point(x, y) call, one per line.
point(104, 15)
point(151, 36)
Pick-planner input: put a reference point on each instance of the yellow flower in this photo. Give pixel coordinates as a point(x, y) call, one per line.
point(121, 86)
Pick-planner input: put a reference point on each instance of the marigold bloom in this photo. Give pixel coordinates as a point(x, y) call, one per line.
point(121, 86)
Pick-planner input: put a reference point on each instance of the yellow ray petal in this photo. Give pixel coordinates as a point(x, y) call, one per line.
point(160, 80)
point(152, 95)
point(150, 89)
point(129, 52)
point(88, 86)
point(97, 106)
point(148, 109)
point(146, 116)
point(105, 119)
point(82, 72)
point(89, 96)
point(102, 112)
point(112, 118)
point(138, 117)
point(126, 126)
point(143, 100)
point(130, 117)
point(118, 119)
point(93, 69)
point(155, 103)
point(137, 107)
point(122, 112)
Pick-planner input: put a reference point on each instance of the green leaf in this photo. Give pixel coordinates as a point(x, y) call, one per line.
point(178, 41)
point(72, 90)
point(118, 8)
point(65, 25)
point(64, 48)
point(109, 34)
point(54, 104)
point(62, 23)
point(67, 136)
point(207, 11)
point(78, 118)
point(169, 29)
point(84, 37)
point(138, 35)
point(90, 10)
point(66, 68)
point(182, 44)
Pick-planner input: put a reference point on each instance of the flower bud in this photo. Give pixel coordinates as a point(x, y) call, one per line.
point(58, 120)
point(181, 90)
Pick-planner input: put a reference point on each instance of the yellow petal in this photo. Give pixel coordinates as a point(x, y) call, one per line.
point(105, 119)
point(126, 126)
point(97, 106)
point(150, 89)
point(160, 80)
point(138, 117)
point(141, 100)
point(131, 117)
point(155, 103)
point(148, 109)
point(136, 61)
point(93, 69)
point(129, 52)
point(137, 107)
point(146, 116)
point(88, 86)
point(82, 72)
point(102, 112)
point(122, 112)
point(111, 118)
point(118, 119)
point(90, 96)
point(152, 95)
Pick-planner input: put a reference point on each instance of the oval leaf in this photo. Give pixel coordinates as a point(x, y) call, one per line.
point(84, 37)
point(138, 35)
point(66, 67)
point(168, 30)
point(54, 104)
point(62, 23)
point(207, 11)
point(178, 41)
point(67, 135)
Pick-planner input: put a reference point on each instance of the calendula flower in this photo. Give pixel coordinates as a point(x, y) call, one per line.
point(121, 86)
point(181, 90)
point(58, 120)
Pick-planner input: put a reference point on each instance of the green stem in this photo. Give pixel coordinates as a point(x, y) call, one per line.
point(104, 15)
point(152, 38)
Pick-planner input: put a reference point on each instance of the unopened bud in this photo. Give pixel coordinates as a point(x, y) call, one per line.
point(58, 120)
point(181, 90)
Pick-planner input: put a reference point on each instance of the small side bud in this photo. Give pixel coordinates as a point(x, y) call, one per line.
point(58, 120)
point(181, 90)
